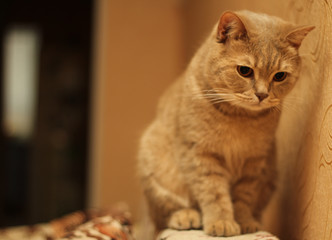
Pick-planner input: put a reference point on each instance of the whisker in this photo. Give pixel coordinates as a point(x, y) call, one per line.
point(291, 107)
point(276, 109)
point(212, 94)
point(224, 100)
point(305, 55)
point(294, 98)
point(243, 96)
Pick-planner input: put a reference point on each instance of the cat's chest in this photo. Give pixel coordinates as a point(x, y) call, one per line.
point(240, 139)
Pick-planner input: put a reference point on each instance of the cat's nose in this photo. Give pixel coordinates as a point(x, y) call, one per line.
point(261, 95)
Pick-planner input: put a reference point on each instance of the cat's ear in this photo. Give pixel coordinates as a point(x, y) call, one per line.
point(296, 36)
point(230, 26)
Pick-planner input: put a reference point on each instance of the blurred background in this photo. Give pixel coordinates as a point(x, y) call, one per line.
point(45, 84)
point(80, 81)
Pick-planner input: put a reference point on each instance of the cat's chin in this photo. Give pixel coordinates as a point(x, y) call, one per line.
point(255, 107)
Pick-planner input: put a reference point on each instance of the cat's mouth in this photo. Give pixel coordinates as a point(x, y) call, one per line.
point(249, 101)
point(253, 103)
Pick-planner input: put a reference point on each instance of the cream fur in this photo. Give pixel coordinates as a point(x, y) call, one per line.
point(208, 158)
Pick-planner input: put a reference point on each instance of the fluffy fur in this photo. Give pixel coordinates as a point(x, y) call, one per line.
point(208, 159)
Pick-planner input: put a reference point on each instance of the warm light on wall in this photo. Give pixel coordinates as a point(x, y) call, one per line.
point(21, 58)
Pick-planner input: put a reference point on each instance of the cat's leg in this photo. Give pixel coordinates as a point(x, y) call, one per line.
point(244, 216)
point(170, 210)
point(217, 208)
point(164, 189)
point(209, 184)
point(186, 218)
point(161, 202)
point(251, 194)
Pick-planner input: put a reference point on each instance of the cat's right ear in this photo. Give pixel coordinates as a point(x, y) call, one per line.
point(230, 26)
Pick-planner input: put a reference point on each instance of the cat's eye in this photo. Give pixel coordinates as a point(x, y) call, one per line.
point(245, 71)
point(280, 76)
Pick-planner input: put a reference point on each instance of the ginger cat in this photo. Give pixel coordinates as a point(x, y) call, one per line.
point(208, 159)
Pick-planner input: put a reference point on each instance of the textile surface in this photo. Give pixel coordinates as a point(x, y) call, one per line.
point(200, 235)
point(94, 224)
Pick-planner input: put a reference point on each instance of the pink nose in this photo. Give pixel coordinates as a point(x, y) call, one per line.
point(261, 96)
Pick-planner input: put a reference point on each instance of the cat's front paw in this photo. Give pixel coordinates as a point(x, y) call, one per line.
point(250, 226)
point(222, 228)
point(185, 219)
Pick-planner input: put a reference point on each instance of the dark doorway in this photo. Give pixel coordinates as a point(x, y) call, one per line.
point(43, 173)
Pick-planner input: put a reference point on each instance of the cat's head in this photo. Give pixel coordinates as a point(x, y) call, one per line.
point(253, 60)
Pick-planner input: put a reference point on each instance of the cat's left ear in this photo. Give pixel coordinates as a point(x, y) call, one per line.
point(296, 36)
point(230, 26)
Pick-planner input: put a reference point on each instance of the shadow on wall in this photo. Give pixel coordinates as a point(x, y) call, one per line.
point(305, 137)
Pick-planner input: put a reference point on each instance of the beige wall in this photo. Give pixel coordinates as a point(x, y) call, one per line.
point(137, 54)
point(142, 45)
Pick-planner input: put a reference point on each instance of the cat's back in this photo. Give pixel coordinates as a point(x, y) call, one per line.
point(158, 136)
point(168, 105)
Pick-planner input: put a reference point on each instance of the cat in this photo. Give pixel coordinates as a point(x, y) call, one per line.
point(208, 159)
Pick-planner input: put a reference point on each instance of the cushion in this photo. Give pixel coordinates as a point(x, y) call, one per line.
point(170, 234)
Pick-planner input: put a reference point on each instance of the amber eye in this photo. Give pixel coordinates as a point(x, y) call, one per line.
point(245, 71)
point(280, 76)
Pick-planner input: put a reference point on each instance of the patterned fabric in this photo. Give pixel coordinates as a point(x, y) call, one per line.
point(112, 224)
point(200, 235)
point(102, 228)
